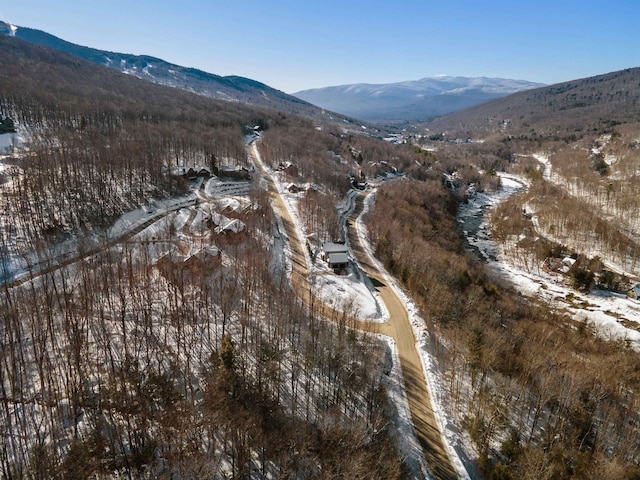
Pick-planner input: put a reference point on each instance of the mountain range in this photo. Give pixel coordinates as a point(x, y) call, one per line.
point(412, 101)
point(564, 110)
point(230, 88)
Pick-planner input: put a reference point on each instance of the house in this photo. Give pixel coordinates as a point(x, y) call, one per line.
point(290, 169)
point(293, 188)
point(634, 292)
point(562, 265)
point(6, 125)
point(191, 172)
point(336, 255)
point(338, 261)
point(330, 247)
point(236, 173)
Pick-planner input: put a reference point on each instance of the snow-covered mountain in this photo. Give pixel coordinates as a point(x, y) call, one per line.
point(231, 88)
point(416, 100)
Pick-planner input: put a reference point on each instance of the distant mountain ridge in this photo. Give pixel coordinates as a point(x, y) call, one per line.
point(564, 110)
point(230, 88)
point(412, 101)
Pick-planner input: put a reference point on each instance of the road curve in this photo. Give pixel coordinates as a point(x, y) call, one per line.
point(398, 327)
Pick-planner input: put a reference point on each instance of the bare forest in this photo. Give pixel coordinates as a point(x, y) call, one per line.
point(128, 359)
point(184, 353)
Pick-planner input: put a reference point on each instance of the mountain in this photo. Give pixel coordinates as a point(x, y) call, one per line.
point(230, 88)
point(567, 109)
point(412, 101)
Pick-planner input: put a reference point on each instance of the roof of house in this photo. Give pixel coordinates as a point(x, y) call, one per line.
point(330, 247)
point(337, 258)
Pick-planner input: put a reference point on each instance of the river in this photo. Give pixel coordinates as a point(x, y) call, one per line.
point(613, 315)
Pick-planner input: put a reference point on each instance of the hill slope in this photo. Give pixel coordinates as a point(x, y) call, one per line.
point(411, 101)
point(231, 88)
point(564, 109)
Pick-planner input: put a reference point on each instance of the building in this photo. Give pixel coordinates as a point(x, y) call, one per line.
point(336, 255)
point(561, 265)
point(6, 125)
point(338, 261)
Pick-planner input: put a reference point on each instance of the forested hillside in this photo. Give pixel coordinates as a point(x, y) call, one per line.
point(230, 88)
point(148, 325)
point(565, 111)
point(543, 390)
point(173, 350)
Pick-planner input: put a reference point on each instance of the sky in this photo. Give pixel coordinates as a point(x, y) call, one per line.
point(295, 45)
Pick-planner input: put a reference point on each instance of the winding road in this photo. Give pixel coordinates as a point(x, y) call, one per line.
point(398, 327)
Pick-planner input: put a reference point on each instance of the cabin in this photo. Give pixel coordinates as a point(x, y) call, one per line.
point(236, 173)
point(338, 261)
point(330, 247)
point(191, 172)
point(561, 265)
point(336, 255)
point(293, 188)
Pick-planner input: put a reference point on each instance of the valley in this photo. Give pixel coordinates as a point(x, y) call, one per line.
point(194, 287)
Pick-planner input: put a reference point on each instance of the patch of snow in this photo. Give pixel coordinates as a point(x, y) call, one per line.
point(9, 142)
point(546, 164)
point(349, 293)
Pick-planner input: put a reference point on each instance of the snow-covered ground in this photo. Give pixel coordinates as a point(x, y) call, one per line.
point(605, 311)
point(349, 293)
point(8, 141)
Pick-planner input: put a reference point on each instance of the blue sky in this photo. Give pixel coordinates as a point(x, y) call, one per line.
point(295, 45)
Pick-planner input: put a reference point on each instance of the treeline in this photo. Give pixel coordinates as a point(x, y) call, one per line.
point(205, 370)
point(541, 396)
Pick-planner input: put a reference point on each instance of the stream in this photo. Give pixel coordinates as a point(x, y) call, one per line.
point(613, 315)
point(473, 217)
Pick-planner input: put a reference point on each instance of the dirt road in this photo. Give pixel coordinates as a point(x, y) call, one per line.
point(398, 327)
